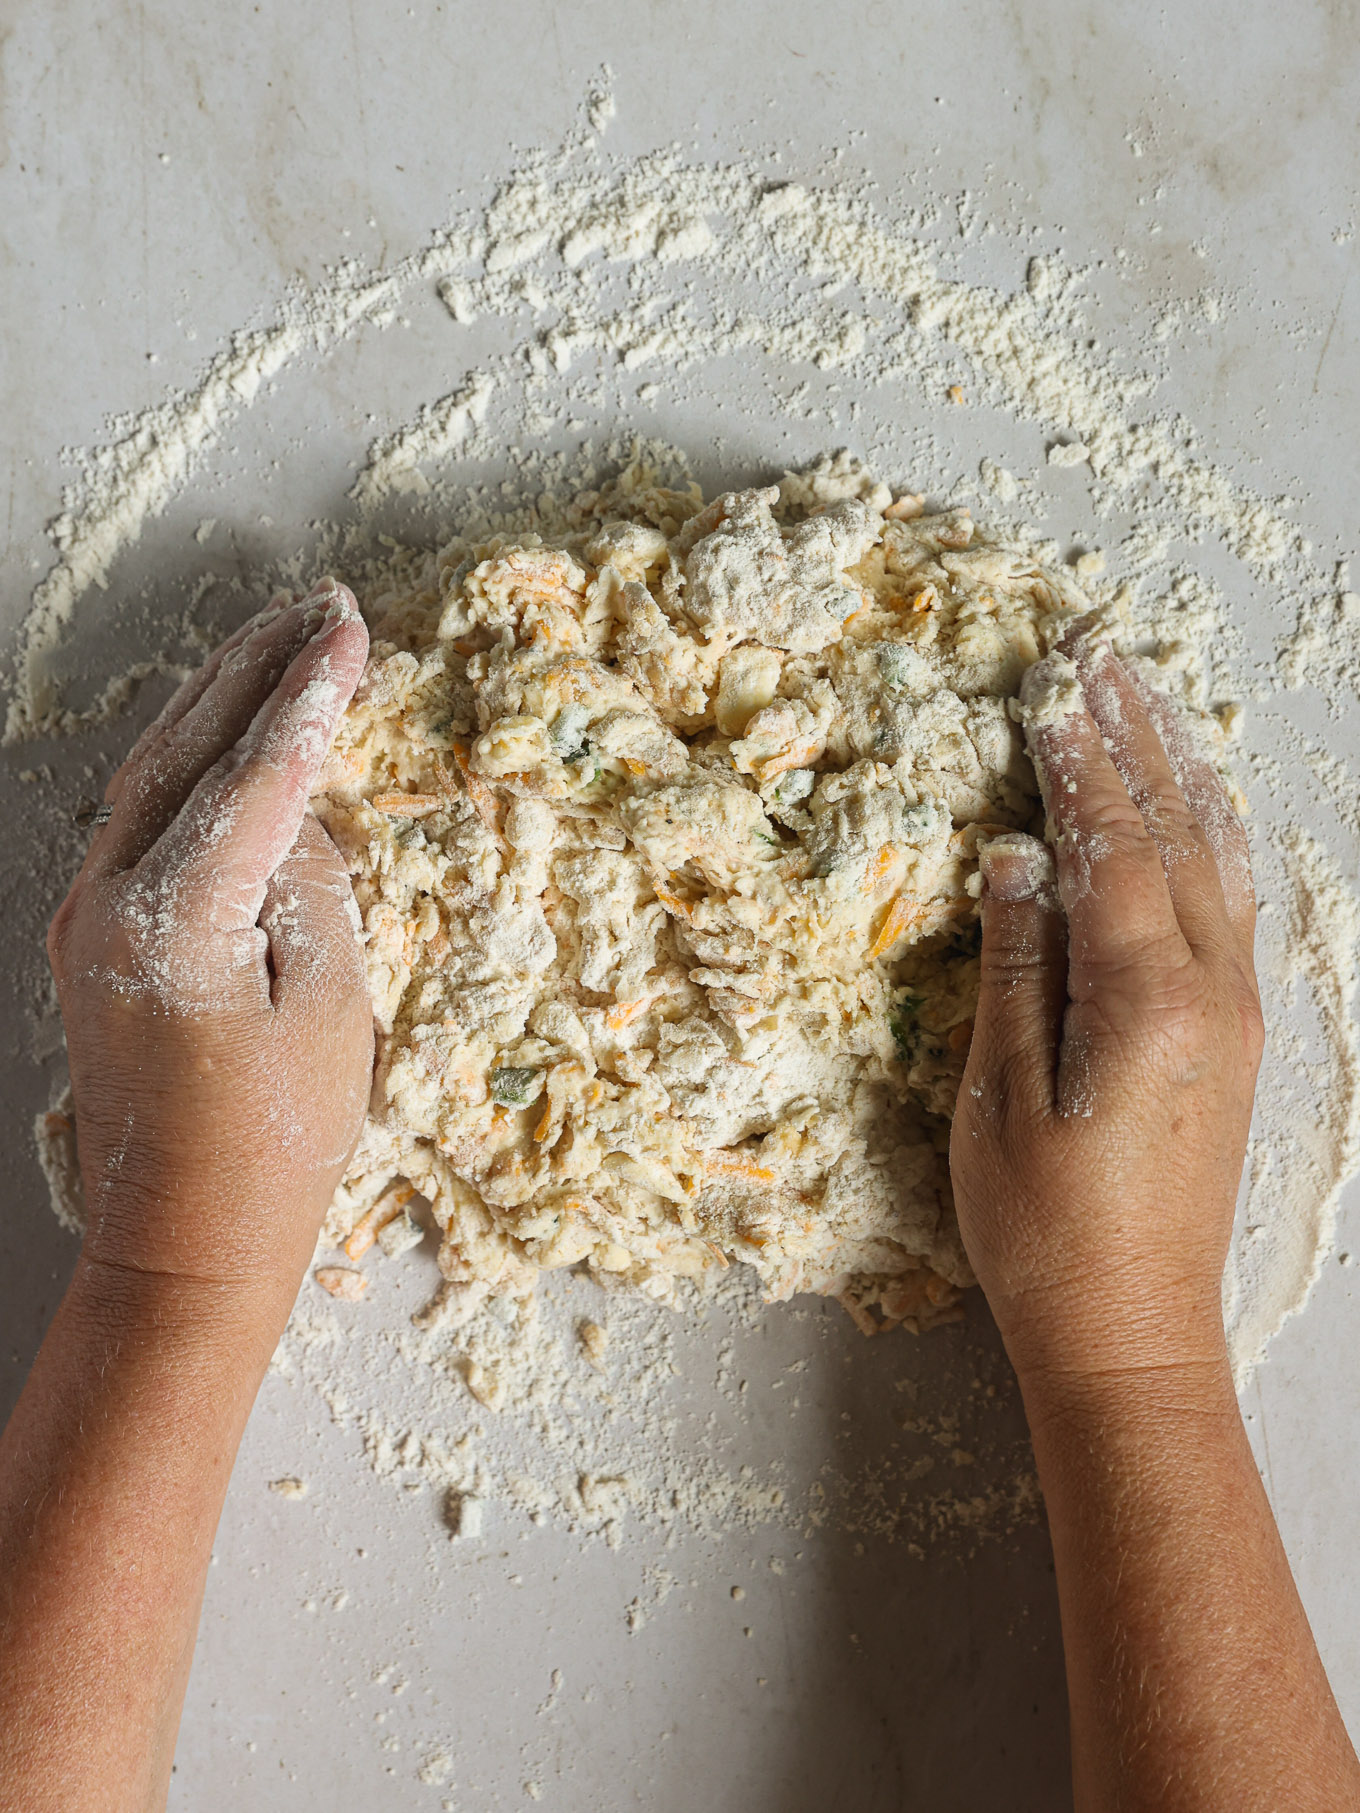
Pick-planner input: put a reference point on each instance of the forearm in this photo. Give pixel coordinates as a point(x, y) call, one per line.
point(112, 1474)
point(1192, 1673)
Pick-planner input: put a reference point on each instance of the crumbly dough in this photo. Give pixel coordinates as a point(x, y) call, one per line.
point(663, 831)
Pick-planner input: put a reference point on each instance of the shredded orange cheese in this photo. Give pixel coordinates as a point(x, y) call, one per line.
point(366, 1230)
point(740, 1167)
point(407, 805)
point(341, 1282)
point(620, 1016)
point(906, 912)
point(483, 799)
point(901, 915)
point(672, 902)
point(793, 757)
point(879, 867)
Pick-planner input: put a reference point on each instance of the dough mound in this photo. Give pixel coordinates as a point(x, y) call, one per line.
point(663, 831)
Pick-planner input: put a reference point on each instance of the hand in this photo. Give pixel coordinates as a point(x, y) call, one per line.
point(209, 973)
point(1102, 1122)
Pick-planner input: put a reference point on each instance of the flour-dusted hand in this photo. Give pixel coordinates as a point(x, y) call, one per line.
point(1096, 1154)
point(221, 1044)
point(1102, 1122)
point(209, 972)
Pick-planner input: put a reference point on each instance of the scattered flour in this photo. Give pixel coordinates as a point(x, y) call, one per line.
point(395, 462)
point(490, 1404)
point(130, 479)
point(666, 265)
point(583, 276)
point(1308, 1143)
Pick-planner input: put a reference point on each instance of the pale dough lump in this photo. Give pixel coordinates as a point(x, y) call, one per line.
point(663, 831)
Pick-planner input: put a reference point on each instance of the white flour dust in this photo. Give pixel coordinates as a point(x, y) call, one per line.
point(665, 267)
point(584, 1406)
point(591, 290)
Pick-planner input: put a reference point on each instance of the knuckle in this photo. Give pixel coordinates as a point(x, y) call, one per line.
point(1013, 969)
point(1165, 1004)
point(1150, 962)
point(1251, 1025)
point(1176, 830)
point(61, 929)
point(1112, 816)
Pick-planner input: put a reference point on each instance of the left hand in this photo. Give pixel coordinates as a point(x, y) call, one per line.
point(210, 977)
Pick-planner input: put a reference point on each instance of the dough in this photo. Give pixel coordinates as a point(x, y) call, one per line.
point(663, 831)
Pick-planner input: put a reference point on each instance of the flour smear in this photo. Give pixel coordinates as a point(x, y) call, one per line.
point(591, 292)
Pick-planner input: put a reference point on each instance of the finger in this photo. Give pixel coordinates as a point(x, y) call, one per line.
point(190, 691)
point(1130, 736)
point(241, 818)
point(317, 982)
point(1013, 1059)
point(155, 789)
point(1110, 877)
point(312, 923)
point(1208, 799)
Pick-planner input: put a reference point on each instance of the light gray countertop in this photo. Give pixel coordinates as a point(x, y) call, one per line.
point(166, 171)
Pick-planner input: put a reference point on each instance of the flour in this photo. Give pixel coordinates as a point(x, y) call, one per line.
point(660, 263)
point(130, 479)
point(492, 1408)
point(395, 462)
point(1298, 1163)
point(597, 285)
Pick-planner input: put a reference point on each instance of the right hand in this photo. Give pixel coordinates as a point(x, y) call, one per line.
point(1102, 1123)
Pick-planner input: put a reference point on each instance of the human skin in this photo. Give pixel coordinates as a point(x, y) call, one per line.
point(220, 1041)
point(220, 1044)
point(1096, 1154)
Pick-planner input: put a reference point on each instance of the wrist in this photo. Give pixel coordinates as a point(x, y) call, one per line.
point(229, 1326)
point(1127, 1400)
point(228, 1244)
point(1105, 1329)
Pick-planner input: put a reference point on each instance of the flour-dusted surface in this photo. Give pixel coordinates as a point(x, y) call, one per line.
point(584, 272)
point(165, 191)
point(664, 834)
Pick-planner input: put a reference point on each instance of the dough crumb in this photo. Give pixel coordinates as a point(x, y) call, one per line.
point(340, 1281)
point(594, 1341)
point(1068, 453)
point(464, 1514)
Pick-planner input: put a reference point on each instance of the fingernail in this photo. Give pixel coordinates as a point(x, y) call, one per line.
point(1016, 867)
point(1090, 623)
point(322, 607)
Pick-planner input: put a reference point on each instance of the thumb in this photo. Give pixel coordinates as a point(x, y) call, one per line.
point(1013, 1060)
point(312, 924)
